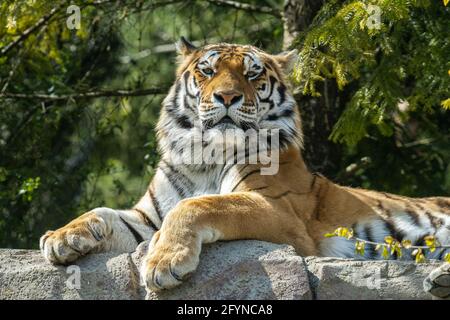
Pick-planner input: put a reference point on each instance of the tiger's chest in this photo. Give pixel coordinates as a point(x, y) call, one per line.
point(216, 179)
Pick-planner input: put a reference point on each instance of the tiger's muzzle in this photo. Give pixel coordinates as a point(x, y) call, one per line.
point(230, 110)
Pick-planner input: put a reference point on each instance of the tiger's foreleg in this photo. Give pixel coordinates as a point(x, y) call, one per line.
point(99, 230)
point(104, 229)
point(174, 250)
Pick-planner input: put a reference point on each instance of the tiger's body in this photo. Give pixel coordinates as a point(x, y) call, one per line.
point(191, 203)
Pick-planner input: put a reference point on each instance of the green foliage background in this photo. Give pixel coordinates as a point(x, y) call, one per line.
point(61, 158)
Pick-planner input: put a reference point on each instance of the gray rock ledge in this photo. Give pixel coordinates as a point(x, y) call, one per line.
point(228, 270)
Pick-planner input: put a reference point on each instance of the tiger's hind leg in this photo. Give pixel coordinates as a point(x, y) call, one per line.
point(99, 230)
point(438, 282)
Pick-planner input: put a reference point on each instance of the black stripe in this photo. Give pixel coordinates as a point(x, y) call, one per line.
point(282, 93)
point(146, 219)
point(270, 102)
point(135, 234)
point(434, 221)
point(281, 195)
point(184, 122)
point(272, 81)
point(224, 173)
point(283, 114)
point(259, 189)
point(245, 177)
point(413, 216)
point(155, 203)
point(313, 181)
point(273, 68)
point(186, 84)
point(285, 138)
point(76, 250)
point(172, 107)
point(392, 231)
point(203, 63)
point(94, 233)
point(174, 183)
point(268, 66)
point(181, 176)
point(355, 233)
point(286, 113)
point(381, 207)
point(418, 205)
point(370, 250)
point(272, 117)
point(196, 84)
point(442, 253)
point(443, 203)
point(394, 196)
point(263, 87)
point(248, 125)
point(174, 178)
point(243, 168)
point(421, 240)
point(175, 95)
point(187, 104)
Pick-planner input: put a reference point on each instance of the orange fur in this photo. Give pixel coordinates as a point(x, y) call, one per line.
point(293, 207)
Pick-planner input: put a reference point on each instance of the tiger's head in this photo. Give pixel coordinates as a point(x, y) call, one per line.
point(229, 86)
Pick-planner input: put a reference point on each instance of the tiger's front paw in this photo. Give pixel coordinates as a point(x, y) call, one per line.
point(81, 236)
point(170, 259)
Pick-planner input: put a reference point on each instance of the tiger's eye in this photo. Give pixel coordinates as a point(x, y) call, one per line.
point(208, 71)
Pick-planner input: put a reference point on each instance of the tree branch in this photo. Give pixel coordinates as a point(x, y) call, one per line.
point(87, 94)
point(44, 20)
point(247, 7)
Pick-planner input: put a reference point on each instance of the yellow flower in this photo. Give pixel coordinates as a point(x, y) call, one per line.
point(406, 243)
point(447, 258)
point(446, 103)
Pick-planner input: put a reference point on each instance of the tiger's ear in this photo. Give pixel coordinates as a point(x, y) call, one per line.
point(287, 60)
point(184, 47)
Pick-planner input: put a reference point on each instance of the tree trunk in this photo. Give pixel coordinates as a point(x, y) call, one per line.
point(319, 114)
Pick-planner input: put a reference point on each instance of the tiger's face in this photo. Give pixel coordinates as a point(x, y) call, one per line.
point(228, 79)
point(232, 85)
point(223, 88)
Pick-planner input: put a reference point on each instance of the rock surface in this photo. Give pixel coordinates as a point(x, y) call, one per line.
point(229, 270)
point(333, 278)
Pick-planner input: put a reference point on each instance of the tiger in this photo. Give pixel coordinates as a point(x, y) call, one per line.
point(242, 88)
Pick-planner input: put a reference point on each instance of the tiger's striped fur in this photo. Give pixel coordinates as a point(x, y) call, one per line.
point(188, 204)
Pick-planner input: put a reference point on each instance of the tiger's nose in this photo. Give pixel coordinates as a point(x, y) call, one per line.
point(228, 98)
